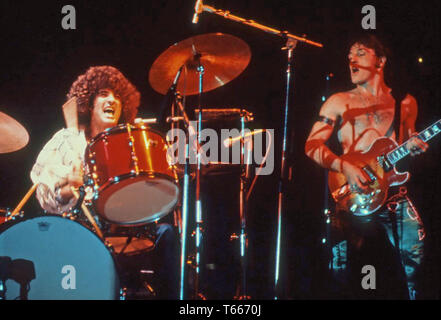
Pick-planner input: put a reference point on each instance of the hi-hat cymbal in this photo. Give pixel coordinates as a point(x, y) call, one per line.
point(13, 136)
point(222, 56)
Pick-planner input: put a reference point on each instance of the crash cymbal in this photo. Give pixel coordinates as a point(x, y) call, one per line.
point(13, 136)
point(223, 57)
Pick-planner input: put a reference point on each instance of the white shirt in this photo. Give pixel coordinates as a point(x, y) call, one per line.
point(54, 163)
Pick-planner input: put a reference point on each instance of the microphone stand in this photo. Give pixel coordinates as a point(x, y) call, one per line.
point(290, 45)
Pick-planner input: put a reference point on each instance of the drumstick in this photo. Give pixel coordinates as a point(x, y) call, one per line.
point(88, 214)
point(70, 113)
point(23, 201)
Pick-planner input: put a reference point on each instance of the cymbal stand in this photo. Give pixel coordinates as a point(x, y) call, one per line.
point(198, 232)
point(290, 45)
point(199, 221)
point(245, 146)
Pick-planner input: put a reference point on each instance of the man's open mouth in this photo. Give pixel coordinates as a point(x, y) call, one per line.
point(109, 111)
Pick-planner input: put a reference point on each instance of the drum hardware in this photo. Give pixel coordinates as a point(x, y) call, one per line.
point(14, 135)
point(80, 196)
point(123, 293)
point(23, 201)
point(5, 267)
point(246, 149)
point(6, 215)
point(291, 42)
point(174, 119)
point(207, 61)
point(145, 121)
point(226, 114)
point(20, 270)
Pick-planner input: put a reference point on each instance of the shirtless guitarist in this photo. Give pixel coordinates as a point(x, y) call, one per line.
point(360, 116)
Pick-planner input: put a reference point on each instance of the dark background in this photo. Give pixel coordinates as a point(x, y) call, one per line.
point(39, 61)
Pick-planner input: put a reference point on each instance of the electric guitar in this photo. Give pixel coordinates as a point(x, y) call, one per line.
point(379, 164)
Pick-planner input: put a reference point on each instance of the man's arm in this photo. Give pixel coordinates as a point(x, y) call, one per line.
point(316, 149)
point(315, 146)
point(56, 170)
point(409, 116)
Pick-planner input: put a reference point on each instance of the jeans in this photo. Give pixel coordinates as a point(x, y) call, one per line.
point(390, 240)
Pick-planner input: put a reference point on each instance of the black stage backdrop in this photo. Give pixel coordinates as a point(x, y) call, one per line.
point(39, 61)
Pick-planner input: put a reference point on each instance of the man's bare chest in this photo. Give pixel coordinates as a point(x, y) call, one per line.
point(361, 115)
point(364, 121)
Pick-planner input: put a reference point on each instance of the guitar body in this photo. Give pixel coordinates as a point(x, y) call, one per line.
point(381, 172)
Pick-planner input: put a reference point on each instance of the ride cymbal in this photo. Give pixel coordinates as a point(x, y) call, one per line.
point(222, 56)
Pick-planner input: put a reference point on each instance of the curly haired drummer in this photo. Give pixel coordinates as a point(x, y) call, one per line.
point(104, 98)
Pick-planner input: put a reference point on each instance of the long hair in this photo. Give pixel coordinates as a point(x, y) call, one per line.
point(87, 85)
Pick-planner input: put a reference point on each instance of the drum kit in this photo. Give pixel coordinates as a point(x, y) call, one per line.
point(133, 185)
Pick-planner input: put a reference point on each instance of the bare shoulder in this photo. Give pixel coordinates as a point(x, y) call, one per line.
point(334, 106)
point(409, 105)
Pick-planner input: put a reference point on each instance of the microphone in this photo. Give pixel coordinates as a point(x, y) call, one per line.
point(230, 141)
point(197, 11)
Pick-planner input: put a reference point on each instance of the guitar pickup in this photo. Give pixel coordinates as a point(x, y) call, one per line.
point(384, 162)
point(369, 172)
point(341, 192)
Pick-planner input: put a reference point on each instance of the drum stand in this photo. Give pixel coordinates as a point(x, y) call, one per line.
point(5, 266)
point(198, 205)
point(198, 235)
point(241, 293)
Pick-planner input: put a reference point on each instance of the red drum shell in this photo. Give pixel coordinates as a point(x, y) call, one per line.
point(134, 182)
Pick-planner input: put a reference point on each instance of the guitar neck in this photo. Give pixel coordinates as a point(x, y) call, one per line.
point(401, 151)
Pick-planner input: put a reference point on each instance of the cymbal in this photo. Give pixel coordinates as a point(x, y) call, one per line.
point(223, 57)
point(13, 136)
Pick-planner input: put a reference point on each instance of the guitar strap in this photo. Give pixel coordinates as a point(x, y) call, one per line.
point(395, 126)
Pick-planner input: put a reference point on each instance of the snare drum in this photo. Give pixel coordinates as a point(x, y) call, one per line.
point(133, 181)
point(62, 260)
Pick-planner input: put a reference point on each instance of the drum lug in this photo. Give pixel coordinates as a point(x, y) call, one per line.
point(193, 234)
point(233, 237)
point(191, 261)
point(123, 293)
point(109, 246)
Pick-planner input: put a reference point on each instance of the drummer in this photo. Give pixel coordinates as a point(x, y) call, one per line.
point(104, 98)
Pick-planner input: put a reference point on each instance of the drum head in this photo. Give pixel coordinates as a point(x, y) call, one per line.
point(138, 200)
point(70, 262)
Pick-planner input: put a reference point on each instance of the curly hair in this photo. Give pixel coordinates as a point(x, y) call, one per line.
point(87, 85)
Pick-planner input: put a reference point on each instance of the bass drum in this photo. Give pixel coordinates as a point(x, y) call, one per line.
point(53, 258)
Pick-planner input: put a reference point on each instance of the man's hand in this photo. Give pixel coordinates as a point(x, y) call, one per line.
point(415, 145)
point(75, 179)
point(355, 176)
